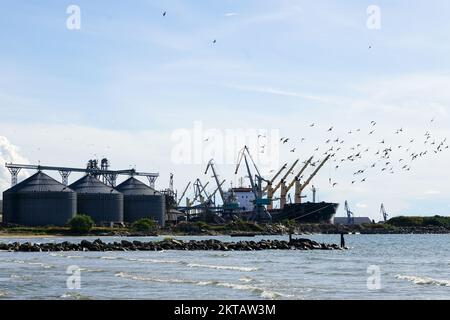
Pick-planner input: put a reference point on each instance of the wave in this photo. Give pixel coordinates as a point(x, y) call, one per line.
point(74, 296)
point(424, 280)
point(3, 294)
point(246, 279)
point(188, 264)
point(40, 264)
point(244, 269)
point(92, 270)
point(262, 292)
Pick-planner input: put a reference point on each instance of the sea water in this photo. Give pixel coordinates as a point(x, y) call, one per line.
point(374, 267)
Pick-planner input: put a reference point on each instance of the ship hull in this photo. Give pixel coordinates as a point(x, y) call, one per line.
point(308, 212)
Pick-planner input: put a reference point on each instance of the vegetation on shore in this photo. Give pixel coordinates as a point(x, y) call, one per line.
point(148, 227)
point(81, 223)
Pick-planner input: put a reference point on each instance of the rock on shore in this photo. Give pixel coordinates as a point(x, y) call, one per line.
point(193, 245)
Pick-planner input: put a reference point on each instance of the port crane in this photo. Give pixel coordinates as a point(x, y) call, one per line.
point(271, 191)
point(350, 214)
point(384, 213)
point(299, 187)
point(285, 189)
point(260, 210)
point(198, 190)
point(229, 203)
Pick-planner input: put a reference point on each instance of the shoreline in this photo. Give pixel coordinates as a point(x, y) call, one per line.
point(236, 229)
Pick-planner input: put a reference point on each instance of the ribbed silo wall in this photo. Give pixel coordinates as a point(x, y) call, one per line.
point(43, 208)
point(8, 211)
point(102, 208)
point(145, 206)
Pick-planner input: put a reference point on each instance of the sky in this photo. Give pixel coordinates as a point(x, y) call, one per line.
point(157, 93)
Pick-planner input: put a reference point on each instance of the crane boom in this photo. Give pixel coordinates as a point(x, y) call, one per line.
point(184, 193)
point(299, 174)
point(275, 177)
point(252, 182)
point(215, 191)
point(285, 176)
point(303, 186)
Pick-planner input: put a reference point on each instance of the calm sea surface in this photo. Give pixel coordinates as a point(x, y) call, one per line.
point(410, 267)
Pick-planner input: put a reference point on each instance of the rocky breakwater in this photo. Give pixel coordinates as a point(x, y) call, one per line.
point(169, 244)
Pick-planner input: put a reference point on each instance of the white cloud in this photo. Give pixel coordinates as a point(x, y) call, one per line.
point(9, 153)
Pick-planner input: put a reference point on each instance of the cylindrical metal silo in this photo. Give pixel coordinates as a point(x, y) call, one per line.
point(39, 201)
point(141, 201)
point(96, 199)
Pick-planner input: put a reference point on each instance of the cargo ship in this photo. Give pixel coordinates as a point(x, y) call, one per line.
point(305, 212)
point(308, 212)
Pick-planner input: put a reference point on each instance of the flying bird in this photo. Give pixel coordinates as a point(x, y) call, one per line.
point(164, 13)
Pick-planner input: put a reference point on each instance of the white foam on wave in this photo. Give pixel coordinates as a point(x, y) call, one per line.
point(190, 265)
point(39, 264)
point(149, 279)
point(154, 260)
point(3, 294)
point(424, 280)
point(244, 269)
point(262, 292)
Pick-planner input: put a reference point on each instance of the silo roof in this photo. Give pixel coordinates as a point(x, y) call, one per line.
point(90, 184)
point(39, 182)
point(133, 186)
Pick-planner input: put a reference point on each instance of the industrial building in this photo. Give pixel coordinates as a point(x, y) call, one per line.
point(101, 202)
point(39, 201)
point(142, 201)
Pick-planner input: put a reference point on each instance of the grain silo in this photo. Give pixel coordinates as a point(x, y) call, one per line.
point(96, 199)
point(141, 201)
point(39, 201)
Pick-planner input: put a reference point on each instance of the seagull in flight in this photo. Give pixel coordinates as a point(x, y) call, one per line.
point(164, 13)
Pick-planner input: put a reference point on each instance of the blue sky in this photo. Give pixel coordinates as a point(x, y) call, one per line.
point(130, 77)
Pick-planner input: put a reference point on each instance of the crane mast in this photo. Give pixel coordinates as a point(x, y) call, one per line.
point(219, 186)
point(183, 194)
point(384, 213)
point(350, 215)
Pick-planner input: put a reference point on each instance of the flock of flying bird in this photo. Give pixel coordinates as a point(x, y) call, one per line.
point(386, 157)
